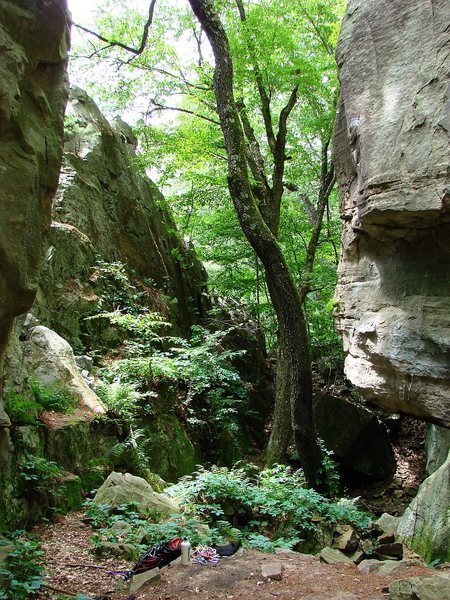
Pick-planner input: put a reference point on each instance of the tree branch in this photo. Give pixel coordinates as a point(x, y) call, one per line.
point(280, 147)
point(159, 107)
point(135, 51)
point(264, 97)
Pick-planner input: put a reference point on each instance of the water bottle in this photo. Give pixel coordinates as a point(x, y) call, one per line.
point(185, 552)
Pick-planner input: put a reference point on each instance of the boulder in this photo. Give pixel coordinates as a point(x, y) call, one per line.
point(383, 567)
point(4, 419)
point(388, 524)
point(123, 488)
point(420, 588)
point(391, 157)
point(355, 435)
point(50, 360)
point(425, 525)
point(347, 541)
point(332, 556)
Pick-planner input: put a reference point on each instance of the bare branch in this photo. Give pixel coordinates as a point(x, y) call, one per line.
point(135, 51)
point(159, 107)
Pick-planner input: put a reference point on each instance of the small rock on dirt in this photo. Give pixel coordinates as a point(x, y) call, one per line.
point(272, 570)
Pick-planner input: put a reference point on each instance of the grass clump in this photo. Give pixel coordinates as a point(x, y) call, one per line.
point(21, 409)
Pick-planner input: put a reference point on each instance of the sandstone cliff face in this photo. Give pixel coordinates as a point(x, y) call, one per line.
point(106, 211)
point(391, 156)
point(33, 92)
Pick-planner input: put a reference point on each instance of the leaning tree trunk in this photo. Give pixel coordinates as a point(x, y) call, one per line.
point(284, 294)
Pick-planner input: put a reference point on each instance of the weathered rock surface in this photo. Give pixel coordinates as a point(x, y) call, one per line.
point(355, 435)
point(391, 157)
point(34, 43)
point(122, 488)
point(420, 588)
point(383, 567)
point(50, 360)
point(437, 446)
point(425, 525)
point(332, 556)
point(106, 210)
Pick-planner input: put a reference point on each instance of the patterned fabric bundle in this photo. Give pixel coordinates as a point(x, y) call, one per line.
point(159, 556)
point(204, 555)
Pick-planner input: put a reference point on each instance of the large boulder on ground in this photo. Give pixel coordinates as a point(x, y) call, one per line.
point(50, 360)
point(420, 588)
point(425, 525)
point(391, 157)
point(123, 488)
point(355, 435)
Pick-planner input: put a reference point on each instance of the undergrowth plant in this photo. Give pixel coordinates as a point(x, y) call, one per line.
point(263, 509)
point(146, 529)
point(215, 394)
point(40, 475)
point(271, 507)
point(23, 570)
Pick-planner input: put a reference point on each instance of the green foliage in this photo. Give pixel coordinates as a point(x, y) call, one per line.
point(38, 470)
point(147, 529)
point(294, 48)
point(52, 397)
point(265, 510)
point(261, 504)
point(23, 569)
point(215, 394)
point(115, 289)
point(122, 399)
point(75, 129)
point(329, 474)
point(132, 452)
point(22, 409)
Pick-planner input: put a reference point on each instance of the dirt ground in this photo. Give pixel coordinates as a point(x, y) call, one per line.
point(67, 542)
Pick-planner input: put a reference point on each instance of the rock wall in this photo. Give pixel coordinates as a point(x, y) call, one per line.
point(105, 210)
point(33, 53)
point(34, 39)
point(391, 156)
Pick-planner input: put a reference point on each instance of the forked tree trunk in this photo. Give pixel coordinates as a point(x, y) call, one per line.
point(284, 294)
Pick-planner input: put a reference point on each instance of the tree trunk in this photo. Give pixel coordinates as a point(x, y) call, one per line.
point(281, 422)
point(281, 432)
point(283, 291)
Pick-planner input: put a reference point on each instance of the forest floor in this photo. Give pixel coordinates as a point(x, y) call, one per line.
point(72, 566)
point(67, 542)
